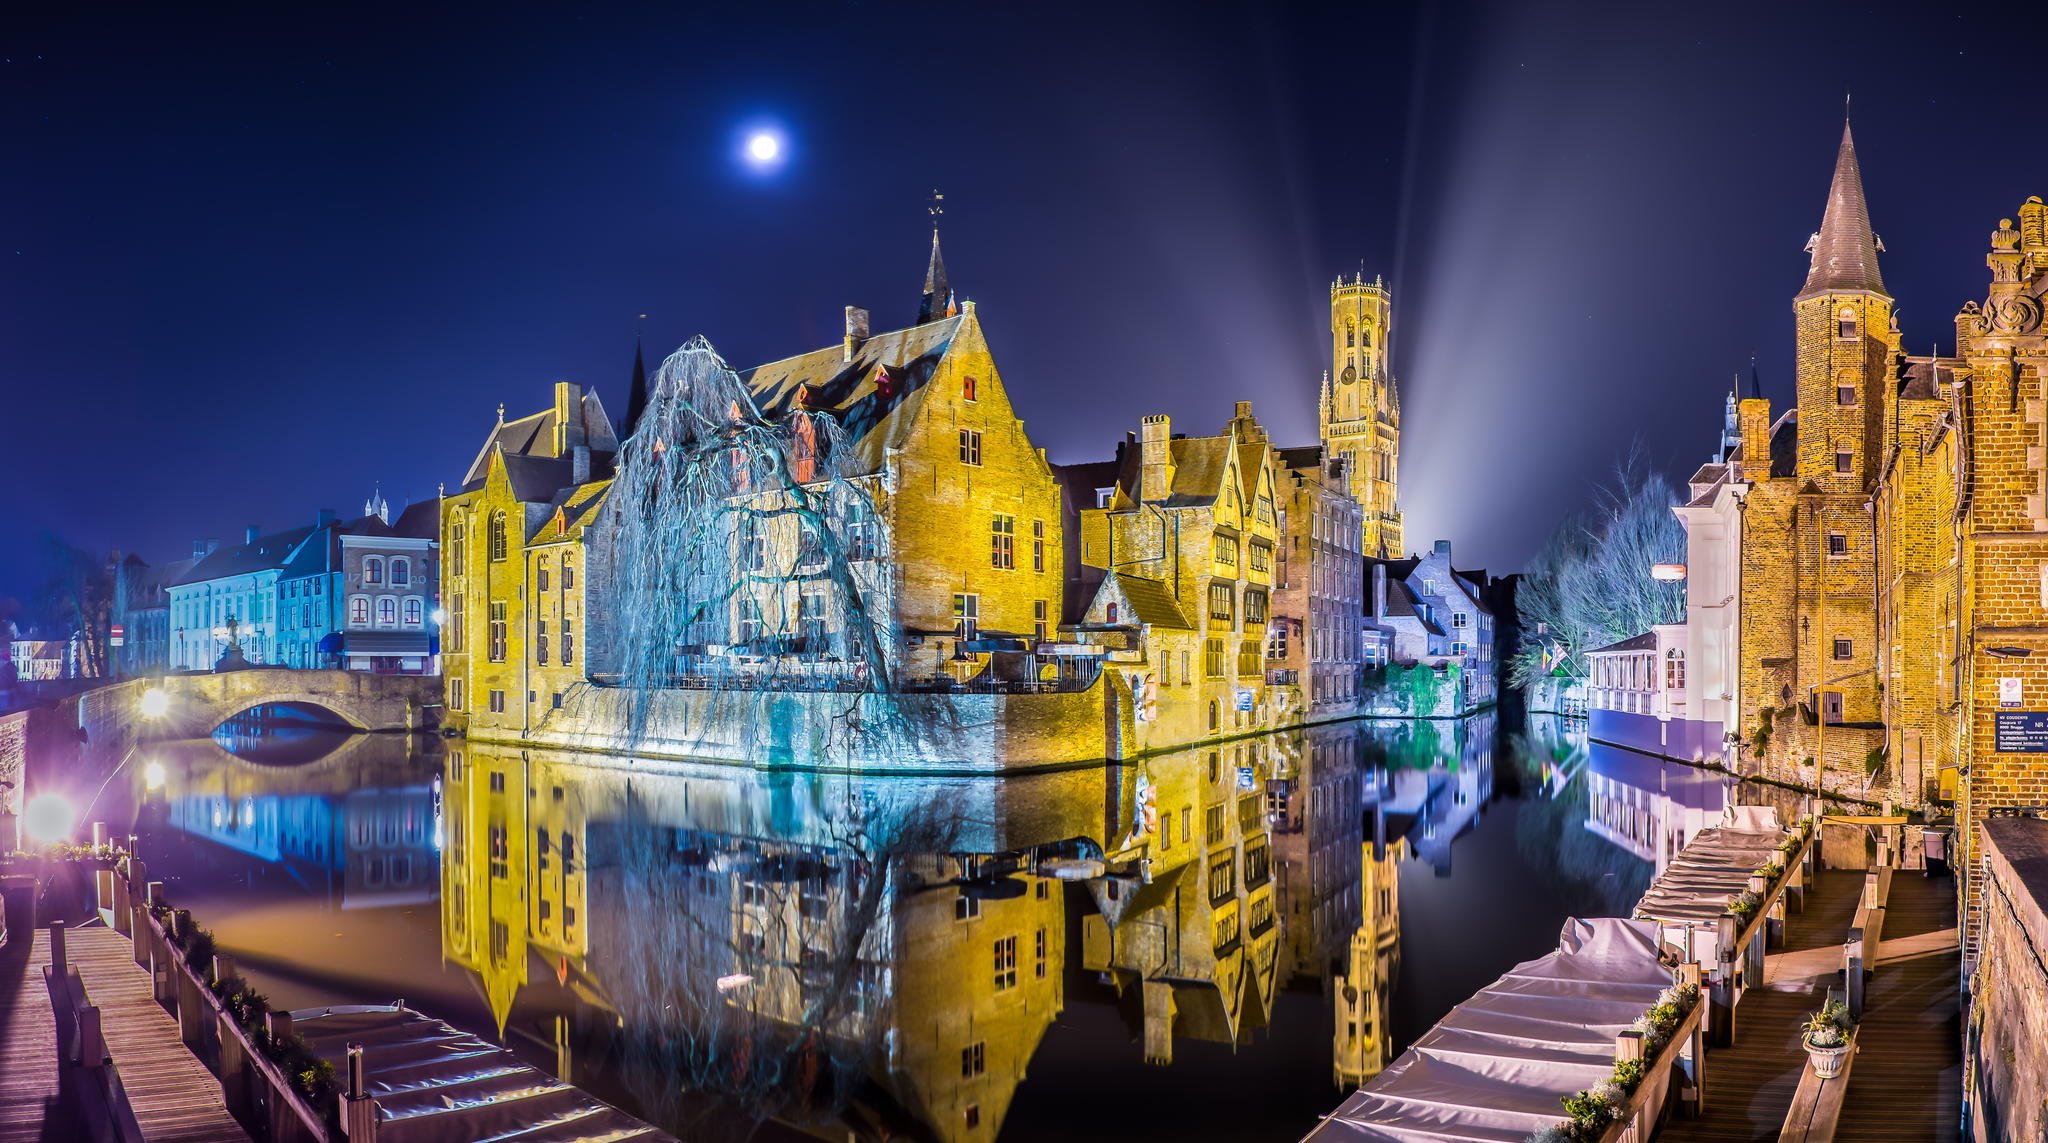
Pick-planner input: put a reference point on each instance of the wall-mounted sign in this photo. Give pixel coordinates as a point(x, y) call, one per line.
point(1246, 780)
point(1246, 700)
point(2020, 731)
point(2008, 691)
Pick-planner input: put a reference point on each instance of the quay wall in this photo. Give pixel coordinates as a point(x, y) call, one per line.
point(2009, 985)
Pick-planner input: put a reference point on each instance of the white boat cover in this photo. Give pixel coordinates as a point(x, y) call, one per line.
point(1496, 1067)
point(1714, 866)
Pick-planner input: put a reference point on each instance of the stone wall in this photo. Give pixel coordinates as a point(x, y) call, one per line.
point(2008, 1030)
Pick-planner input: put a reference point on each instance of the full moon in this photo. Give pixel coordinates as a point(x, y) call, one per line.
point(763, 147)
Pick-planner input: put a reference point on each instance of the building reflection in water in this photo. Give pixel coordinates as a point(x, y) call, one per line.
point(1650, 807)
point(711, 946)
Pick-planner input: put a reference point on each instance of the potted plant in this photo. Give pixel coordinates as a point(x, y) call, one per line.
point(1827, 1038)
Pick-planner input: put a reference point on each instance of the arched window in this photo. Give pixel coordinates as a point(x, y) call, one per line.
point(1212, 714)
point(359, 611)
point(373, 569)
point(497, 536)
point(401, 571)
point(1845, 324)
point(568, 573)
point(1350, 335)
point(387, 612)
point(415, 611)
point(458, 544)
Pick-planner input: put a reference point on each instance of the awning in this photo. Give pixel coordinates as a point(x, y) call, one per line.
point(330, 643)
point(386, 643)
point(1716, 865)
point(1497, 1066)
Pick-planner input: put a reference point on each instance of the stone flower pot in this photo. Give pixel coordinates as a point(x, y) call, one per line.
point(1827, 1062)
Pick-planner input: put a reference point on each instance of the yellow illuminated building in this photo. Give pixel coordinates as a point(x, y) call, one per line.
point(1184, 547)
point(1360, 411)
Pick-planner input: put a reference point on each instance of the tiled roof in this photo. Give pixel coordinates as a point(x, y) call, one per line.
point(534, 436)
point(1151, 601)
point(874, 422)
point(1844, 250)
point(267, 553)
point(1647, 641)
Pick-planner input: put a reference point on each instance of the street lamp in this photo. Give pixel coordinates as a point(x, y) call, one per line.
point(1667, 573)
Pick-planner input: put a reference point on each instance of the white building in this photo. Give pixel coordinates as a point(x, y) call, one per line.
point(238, 583)
point(1712, 519)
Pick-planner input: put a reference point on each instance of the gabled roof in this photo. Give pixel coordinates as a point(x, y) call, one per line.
point(1647, 641)
point(421, 520)
point(874, 421)
point(268, 553)
point(534, 437)
point(1844, 249)
point(1151, 601)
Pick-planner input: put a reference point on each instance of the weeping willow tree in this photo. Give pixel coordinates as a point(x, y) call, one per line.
point(738, 557)
point(1591, 584)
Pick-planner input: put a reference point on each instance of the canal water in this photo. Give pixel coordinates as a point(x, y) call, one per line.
point(1218, 943)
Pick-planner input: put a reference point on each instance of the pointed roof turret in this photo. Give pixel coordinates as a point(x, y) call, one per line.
point(636, 400)
point(938, 295)
point(1844, 250)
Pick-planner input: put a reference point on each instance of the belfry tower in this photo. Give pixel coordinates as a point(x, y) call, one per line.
point(1360, 411)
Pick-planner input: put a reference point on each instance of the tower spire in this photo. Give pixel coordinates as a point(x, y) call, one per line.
point(636, 400)
point(938, 294)
point(1844, 249)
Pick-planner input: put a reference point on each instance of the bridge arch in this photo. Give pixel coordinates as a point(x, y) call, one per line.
point(199, 704)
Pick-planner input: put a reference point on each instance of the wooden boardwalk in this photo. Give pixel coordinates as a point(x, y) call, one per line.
point(1908, 1079)
point(29, 1111)
point(176, 1100)
point(1750, 1085)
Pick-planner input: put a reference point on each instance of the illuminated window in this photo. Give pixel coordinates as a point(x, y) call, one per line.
point(415, 611)
point(1003, 542)
point(359, 611)
point(387, 612)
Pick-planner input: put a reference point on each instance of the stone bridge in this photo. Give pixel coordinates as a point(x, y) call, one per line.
point(200, 703)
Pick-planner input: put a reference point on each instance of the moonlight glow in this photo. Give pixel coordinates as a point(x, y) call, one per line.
point(764, 148)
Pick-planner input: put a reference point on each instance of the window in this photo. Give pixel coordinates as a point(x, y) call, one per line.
point(498, 707)
point(750, 625)
point(967, 617)
point(1350, 335)
point(540, 574)
point(1845, 324)
point(1038, 545)
point(1003, 542)
point(401, 572)
point(1039, 955)
point(458, 544)
point(966, 908)
point(1222, 877)
point(568, 573)
point(456, 616)
point(967, 388)
point(1109, 613)
point(455, 689)
point(973, 1059)
point(1041, 630)
point(1186, 676)
point(1460, 619)
point(973, 1114)
point(1212, 665)
point(568, 642)
point(497, 648)
point(970, 446)
point(387, 612)
point(1213, 721)
point(496, 537)
point(1844, 462)
point(860, 532)
point(1254, 605)
point(373, 570)
point(1226, 551)
point(1213, 823)
point(1104, 497)
point(1838, 544)
point(1221, 601)
point(810, 617)
point(1674, 670)
point(415, 611)
point(359, 611)
point(540, 642)
point(1845, 394)
point(1844, 649)
point(1006, 964)
point(1261, 556)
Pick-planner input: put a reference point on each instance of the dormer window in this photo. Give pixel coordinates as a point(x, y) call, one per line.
point(1845, 324)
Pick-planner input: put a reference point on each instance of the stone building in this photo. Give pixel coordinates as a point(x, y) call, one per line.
point(1190, 527)
point(1430, 613)
point(1360, 413)
point(142, 612)
point(1317, 638)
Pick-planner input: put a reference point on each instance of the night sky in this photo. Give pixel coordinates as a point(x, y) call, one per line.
point(258, 258)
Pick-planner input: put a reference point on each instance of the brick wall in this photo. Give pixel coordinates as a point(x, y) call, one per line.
point(2009, 987)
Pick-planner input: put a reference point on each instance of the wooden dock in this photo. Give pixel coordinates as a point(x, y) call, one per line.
point(174, 1097)
point(28, 1046)
point(1908, 1082)
point(1750, 1084)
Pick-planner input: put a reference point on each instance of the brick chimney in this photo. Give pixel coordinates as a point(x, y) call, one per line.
point(569, 430)
point(1753, 416)
point(856, 330)
point(1155, 475)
